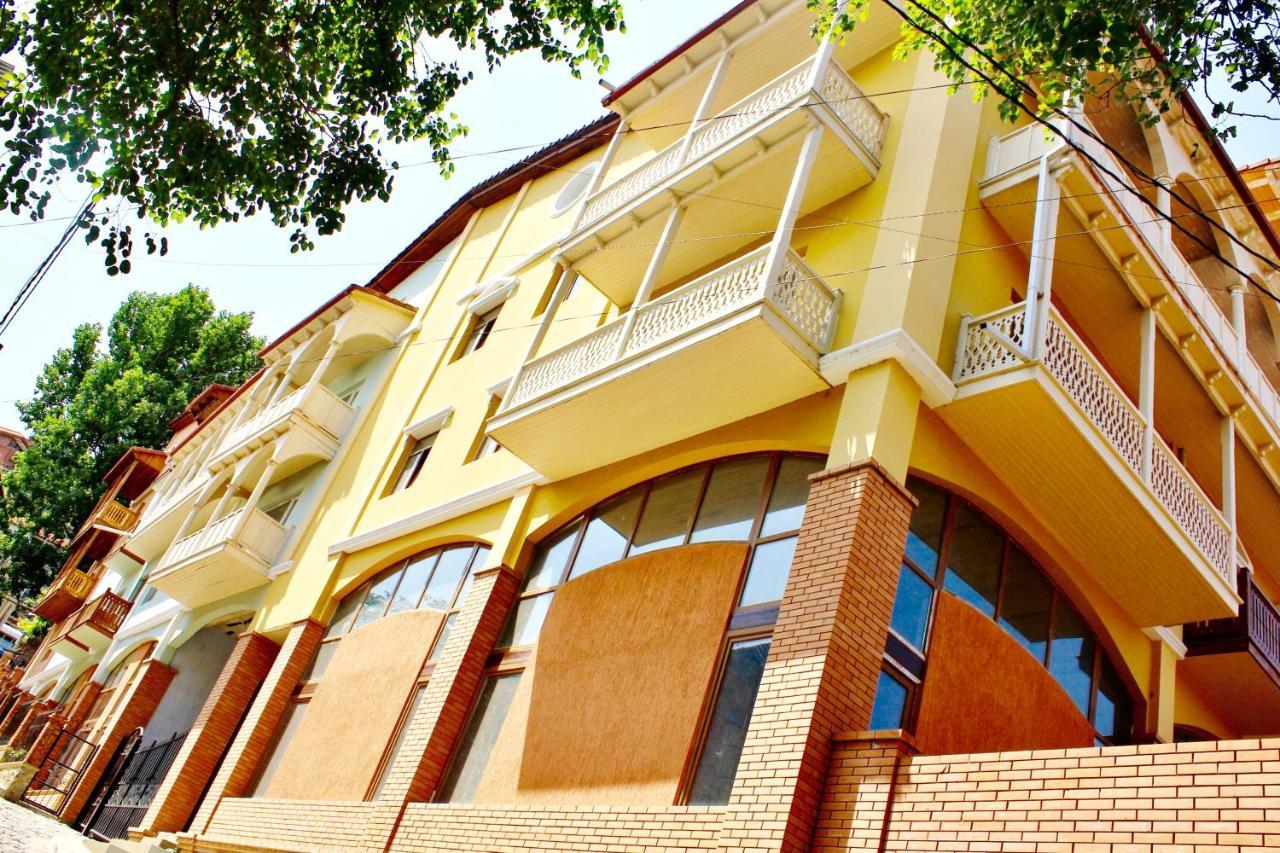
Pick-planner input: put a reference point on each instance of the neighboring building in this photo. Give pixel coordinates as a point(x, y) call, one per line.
point(795, 458)
point(11, 444)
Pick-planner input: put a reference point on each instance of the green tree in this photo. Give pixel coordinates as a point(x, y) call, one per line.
point(1143, 53)
point(100, 396)
point(215, 109)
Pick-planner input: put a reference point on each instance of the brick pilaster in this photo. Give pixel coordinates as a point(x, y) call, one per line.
point(857, 804)
point(53, 727)
point(824, 663)
point(240, 765)
point(434, 730)
point(82, 704)
point(149, 686)
point(247, 667)
point(16, 711)
point(29, 718)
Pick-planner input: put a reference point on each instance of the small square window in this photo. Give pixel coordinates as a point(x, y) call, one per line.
point(414, 459)
point(479, 330)
point(349, 396)
point(280, 512)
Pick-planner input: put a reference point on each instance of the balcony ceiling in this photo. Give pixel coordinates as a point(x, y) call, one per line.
point(1243, 693)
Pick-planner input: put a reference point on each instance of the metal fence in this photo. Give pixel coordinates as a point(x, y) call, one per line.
point(130, 785)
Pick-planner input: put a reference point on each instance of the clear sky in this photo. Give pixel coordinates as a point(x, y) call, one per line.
point(247, 266)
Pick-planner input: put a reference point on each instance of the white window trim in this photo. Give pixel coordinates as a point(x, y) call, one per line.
point(429, 424)
point(487, 295)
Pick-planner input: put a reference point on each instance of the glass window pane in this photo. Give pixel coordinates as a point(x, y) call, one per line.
point(606, 535)
point(526, 622)
point(401, 731)
point(973, 571)
point(790, 491)
point(444, 583)
point(667, 512)
point(1071, 655)
point(911, 607)
point(375, 603)
point(477, 743)
point(415, 578)
point(732, 500)
point(347, 607)
point(890, 704)
point(444, 635)
point(550, 560)
point(1024, 607)
point(736, 699)
point(767, 576)
point(321, 661)
point(1113, 712)
point(925, 534)
point(477, 563)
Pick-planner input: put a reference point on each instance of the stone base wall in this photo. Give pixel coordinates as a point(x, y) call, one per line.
point(14, 777)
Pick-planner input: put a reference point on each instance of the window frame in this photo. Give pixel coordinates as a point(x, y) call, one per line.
point(418, 449)
point(484, 444)
point(480, 327)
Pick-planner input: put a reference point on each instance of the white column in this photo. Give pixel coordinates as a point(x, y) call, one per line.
point(656, 260)
point(704, 105)
point(256, 495)
point(1229, 483)
point(605, 162)
point(1040, 275)
point(1147, 388)
point(325, 360)
point(791, 207)
point(1238, 320)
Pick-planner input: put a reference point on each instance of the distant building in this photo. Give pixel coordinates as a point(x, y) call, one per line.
point(11, 444)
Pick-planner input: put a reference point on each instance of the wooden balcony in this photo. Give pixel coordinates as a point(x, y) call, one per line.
point(68, 592)
point(723, 347)
point(1238, 660)
point(229, 556)
point(744, 152)
point(1062, 434)
point(91, 629)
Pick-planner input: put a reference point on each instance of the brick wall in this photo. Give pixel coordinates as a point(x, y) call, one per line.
point(310, 825)
point(1211, 796)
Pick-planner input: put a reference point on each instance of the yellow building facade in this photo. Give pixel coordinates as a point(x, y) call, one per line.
point(797, 457)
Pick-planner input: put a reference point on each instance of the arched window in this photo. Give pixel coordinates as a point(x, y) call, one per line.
point(953, 547)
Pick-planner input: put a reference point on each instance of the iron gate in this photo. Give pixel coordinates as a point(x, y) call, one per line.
point(59, 772)
point(129, 785)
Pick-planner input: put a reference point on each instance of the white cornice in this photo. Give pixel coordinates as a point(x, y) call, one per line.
point(440, 513)
point(936, 388)
point(1162, 634)
point(429, 424)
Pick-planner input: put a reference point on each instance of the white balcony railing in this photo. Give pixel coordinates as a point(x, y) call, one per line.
point(1027, 144)
point(262, 535)
point(320, 405)
point(836, 89)
point(797, 295)
point(997, 342)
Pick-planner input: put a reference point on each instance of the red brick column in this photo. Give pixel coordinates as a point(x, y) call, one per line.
point(824, 663)
point(82, 704)
point(858, 802)
point(149, 685)
point(53, 727)
point(248, 665)
point(16, 711)
point(259, 725)
point(433, 732)
point(29, 718)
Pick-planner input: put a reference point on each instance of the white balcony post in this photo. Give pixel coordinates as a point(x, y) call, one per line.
point(656, 260)
point(825, 48)
point(1147, 388)
point(567, 277)
point(704, 105)
point(1040, 274)
point(791, 207)
point(185, 527)
point(232, 485)
point(1229, 482)
point(325, 360)
point(1238, 318)
point(286, 377)
point(251, 401)
point(256, 495)
point(605, 163)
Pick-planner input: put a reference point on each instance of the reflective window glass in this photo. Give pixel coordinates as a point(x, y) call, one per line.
point(1071, 655)
point(346, 612)
point(790, 491)
point(526, 622)
point(605, 539)
point(890, 704)
point(767, 575)
point(973, 570)
point(444, 582)
point(375, 602)
point(732, 500)
point(415, 578)
point(401, 730)
point(550, 560)
point(477, 563)
point(1025, 603)
point(444, 635)
point(667, 512)
point(481, 735)
point(925, 534)
point(730, 717)
point(1113, 709)
point(911, 605)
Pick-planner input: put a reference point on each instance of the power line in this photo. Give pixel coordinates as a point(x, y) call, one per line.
point(29, 287)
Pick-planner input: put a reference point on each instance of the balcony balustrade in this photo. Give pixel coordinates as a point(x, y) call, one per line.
point(1132, 511)
point(724, 158)
point(91, 629)
point(727, 345)
point(67, 592)
point(230, 555)
point(312, 417)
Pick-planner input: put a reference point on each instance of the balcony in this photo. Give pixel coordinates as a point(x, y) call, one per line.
point(68, 592)
point(1063, 435)
point(92, 628)
point(723, 347)
point(732, 157)
point(312, 418)
point(229, 556)
point(111, 515)
point(1238, 660)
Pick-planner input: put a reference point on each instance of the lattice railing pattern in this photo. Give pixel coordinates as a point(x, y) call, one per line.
point(865, 122)
point(798, 295)
point(1190, 508)
point(750, 111)
point(665, 163)
point(987, 353)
